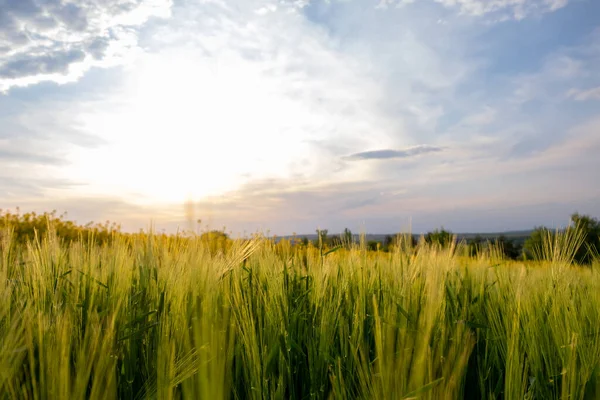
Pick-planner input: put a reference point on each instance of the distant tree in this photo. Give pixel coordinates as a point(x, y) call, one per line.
point(402, 241)
point(441, 237)
point(533, 248)
point(373, 245)
point(590, 247)
point(476, 245)
point(334, 241)
point(508, 247)
point(321, 238)
point(214, 235)
point(347, 237)
point(590, 228)
point(388, 242)
point(304, 241)
point(216, 241)
point(26, 227)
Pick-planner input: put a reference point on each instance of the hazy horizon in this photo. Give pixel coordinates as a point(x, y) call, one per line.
point(288, 115)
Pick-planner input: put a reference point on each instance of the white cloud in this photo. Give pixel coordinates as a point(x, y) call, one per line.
point(383, 4)
point(60, 40)
point(584, 95)
point(560, 70)
point(501, 10)
point(35, 143)
point(224, 95)
point(255, 104)
point(517, 9)
point(468, 181)
point(481, 118)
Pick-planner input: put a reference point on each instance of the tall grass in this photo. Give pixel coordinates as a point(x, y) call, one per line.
point(161, 317)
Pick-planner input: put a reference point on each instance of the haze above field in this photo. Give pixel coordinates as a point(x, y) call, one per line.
point(287, 115)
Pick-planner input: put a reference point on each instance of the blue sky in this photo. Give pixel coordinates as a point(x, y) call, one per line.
point(288, 115)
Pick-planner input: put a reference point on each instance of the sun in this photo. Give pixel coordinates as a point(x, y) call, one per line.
point(187, 126)
point(172, 134)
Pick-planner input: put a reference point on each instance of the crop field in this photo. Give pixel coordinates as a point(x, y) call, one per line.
point(163, 317)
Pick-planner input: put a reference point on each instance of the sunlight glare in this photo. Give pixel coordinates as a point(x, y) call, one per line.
point(189, 127)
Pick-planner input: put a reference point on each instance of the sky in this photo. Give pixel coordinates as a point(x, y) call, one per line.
point(284, 116)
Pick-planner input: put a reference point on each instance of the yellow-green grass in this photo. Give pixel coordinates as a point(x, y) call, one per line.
point(165, 317)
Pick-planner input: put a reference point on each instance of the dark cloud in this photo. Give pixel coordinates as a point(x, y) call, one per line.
point(73, 16)
point(57, 62)
point(390, 153)
point(97, 47)
point(44, 22)
point(19, 7)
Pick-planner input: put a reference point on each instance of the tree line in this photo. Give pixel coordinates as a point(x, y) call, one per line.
point(582, 240)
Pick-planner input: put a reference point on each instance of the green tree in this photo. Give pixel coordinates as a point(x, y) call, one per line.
point(508, 247)
point(476, 245)
point(373, 245)
point(214, 235)
point(590, 228)
point(440, 237)
point(388, 242)
point(533, 247)
point(217, 241)
point(402, 241)
point(26, 227)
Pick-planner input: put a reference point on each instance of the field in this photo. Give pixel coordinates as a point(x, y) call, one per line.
point(146, 316)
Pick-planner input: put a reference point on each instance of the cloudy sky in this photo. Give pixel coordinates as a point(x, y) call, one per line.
point(288, 115)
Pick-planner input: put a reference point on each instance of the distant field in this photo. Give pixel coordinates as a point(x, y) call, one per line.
point(167, 318)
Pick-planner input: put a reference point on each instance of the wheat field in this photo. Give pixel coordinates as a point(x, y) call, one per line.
point(164, 317)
